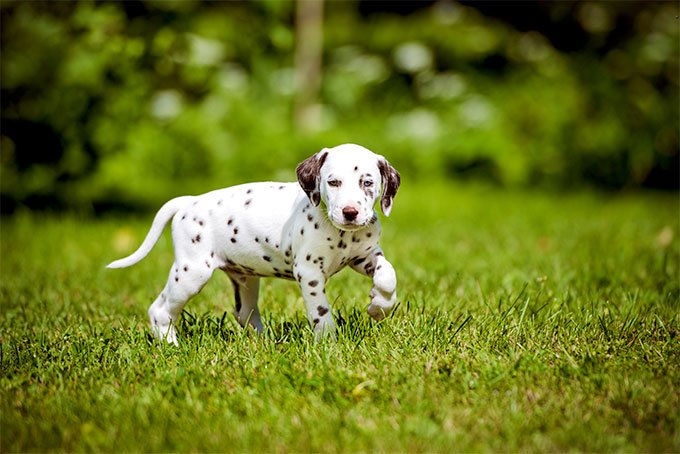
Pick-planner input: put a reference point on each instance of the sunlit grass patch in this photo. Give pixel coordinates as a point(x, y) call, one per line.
point(543, 322)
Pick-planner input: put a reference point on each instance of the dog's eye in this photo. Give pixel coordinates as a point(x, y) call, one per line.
point(334, 183)
point(368, 184)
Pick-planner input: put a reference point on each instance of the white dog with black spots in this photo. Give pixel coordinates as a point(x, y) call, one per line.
point(306, 231)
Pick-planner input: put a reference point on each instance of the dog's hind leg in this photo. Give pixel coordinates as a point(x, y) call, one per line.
point(186, 280)
point(246, 291)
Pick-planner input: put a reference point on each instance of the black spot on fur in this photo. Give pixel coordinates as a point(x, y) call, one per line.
point(235, 230)
point(369, 234)
point(186, 268)
point(310, 218)
point(233, 240)
point(267, 258)
point(249, 191)
point(313, 293)
point(247, 204)
point(302, 231)
point(219, 202)
point(322, 310)
point(359, 261)
point(316, 321)
point(230, 221)
point(207, 264)
point(316, 225)
point(257, 240)
point(309, 256)
point(281, 187)
point(313, 283)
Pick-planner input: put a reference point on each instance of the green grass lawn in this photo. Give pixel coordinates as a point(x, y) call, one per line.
point(527, 321)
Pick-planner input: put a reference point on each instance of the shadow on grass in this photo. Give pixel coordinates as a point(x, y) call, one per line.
point(353, 326)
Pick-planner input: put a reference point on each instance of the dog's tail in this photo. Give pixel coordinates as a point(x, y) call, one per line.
point(164, 215)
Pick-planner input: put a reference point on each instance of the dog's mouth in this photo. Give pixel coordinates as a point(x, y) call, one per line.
point(349, 225)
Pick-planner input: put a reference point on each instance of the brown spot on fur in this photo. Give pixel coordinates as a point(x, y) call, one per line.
point(322, 310)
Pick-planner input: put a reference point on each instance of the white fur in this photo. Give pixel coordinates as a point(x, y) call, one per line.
point(274, 230)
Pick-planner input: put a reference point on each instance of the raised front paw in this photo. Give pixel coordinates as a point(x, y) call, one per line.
point(382, 303)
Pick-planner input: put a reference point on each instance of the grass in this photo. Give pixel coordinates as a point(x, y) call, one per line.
point(527, 321)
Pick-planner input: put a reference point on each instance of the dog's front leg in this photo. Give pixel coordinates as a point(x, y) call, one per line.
point(384, 292)
point(313, 287)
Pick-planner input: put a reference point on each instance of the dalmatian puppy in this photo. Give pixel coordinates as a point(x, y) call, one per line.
point(306, 231)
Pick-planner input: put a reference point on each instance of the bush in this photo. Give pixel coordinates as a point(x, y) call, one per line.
point(126, 104)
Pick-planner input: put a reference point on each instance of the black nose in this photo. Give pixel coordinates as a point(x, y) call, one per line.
point(350, 213)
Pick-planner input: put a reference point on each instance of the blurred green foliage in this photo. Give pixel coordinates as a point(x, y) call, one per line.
point(125, 104)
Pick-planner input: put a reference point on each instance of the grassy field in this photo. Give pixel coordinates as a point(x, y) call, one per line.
point(527, 321)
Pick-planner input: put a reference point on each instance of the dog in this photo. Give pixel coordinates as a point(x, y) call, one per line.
point(305, 231)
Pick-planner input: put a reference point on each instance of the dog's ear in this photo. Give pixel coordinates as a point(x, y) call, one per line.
point(308, 174)
point(390, 181)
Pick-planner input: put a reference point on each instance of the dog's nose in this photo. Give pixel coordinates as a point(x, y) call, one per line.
point(350, 213)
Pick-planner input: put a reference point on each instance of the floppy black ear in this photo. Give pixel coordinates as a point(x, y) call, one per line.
point(390, 181)
point(308, 172)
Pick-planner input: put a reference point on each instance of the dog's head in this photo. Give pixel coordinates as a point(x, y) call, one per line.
point(348, 178)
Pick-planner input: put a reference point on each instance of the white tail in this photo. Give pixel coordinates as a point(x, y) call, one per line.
point(164, 215)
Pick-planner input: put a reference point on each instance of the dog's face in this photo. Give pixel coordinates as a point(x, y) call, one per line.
point(348, 178)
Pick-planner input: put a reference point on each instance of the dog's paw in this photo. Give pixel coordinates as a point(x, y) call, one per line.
point(165, 333)
point(381, 304)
